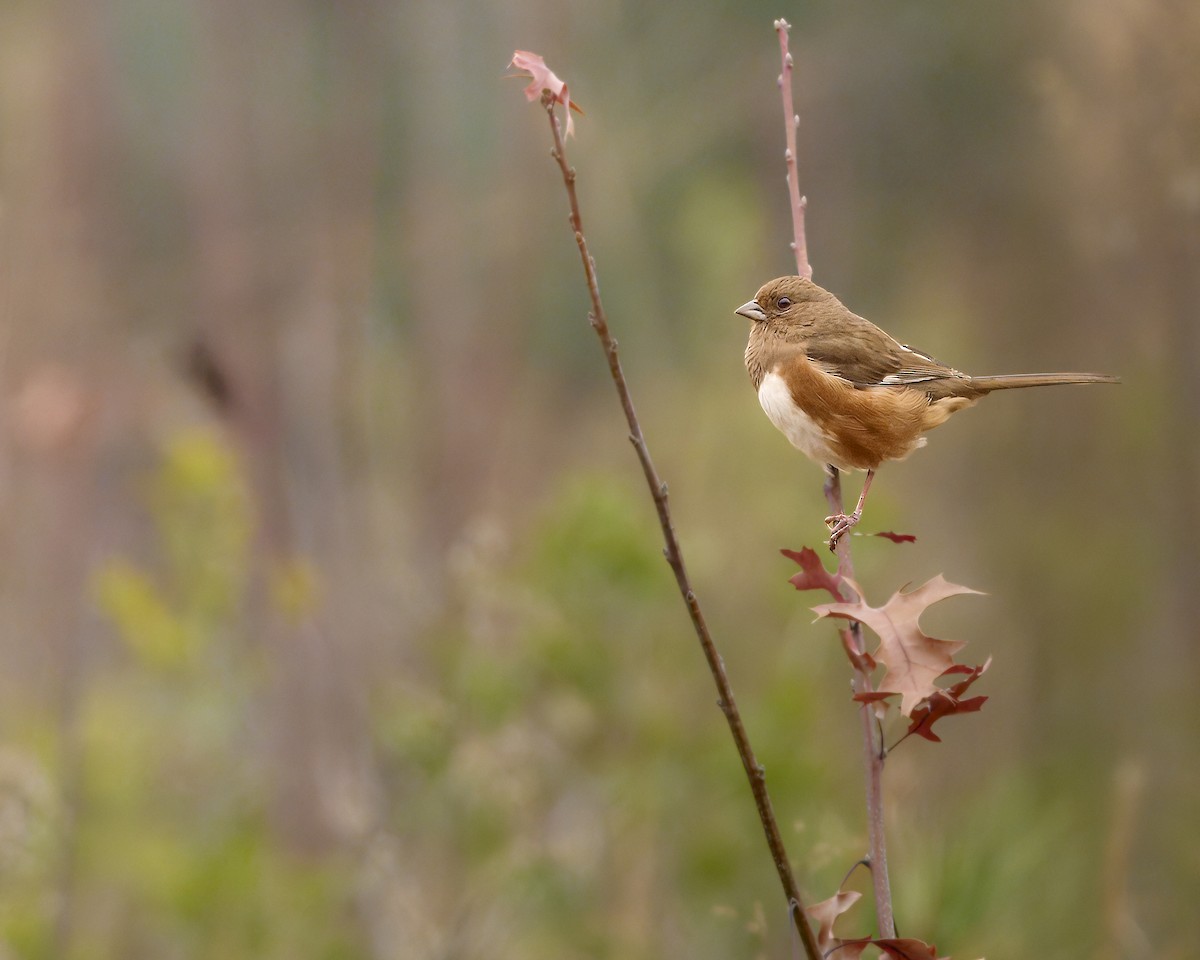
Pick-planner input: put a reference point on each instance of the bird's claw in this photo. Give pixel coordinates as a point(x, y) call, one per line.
point(839, 525)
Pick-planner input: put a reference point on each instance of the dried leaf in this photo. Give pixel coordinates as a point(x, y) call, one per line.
point(896, 537)
point(906, 948)
point(947, 702)
point(813, 575)
point(913, 659)
point(863, 662)
point(826, 913)
point(543, 78)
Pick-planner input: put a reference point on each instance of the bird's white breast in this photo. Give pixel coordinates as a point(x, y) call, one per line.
point(801, 430)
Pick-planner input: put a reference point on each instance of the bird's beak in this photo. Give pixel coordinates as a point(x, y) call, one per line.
point(751, 311)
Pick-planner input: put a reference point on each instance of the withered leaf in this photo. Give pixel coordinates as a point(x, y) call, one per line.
point(947, 702)
point(912, 659)
point(813, 575)
point(906, 948)
point(826, 913)
point(543, 78)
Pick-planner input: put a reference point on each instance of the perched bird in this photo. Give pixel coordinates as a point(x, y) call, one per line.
point(847, 394)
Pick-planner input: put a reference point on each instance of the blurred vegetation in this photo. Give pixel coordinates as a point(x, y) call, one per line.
point(335, 623)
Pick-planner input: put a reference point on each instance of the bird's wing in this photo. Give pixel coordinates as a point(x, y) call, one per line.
point(867, 357)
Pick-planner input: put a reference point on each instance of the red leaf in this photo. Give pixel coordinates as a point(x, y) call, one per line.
point(913, 659)
point(543, 78)
point(860, 661)
point(896, 537)
point(905, 948)
point(826, 914)
point(813, 575)
point(947, 702)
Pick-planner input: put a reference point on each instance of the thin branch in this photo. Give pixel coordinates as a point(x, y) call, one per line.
point(658, 490)
point(873, 750)
point(791, 120)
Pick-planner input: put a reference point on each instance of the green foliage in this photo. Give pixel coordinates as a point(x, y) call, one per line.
point(141, 615)
point(170, 850)
point(969, 879)
point(202, 517)
point(203, 525)
point(573, 765)
point(597, 538)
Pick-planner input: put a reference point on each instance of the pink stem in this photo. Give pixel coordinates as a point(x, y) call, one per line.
point(873, 752)
point(791, 121)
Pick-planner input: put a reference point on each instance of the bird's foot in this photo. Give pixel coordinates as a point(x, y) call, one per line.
point(839, 525)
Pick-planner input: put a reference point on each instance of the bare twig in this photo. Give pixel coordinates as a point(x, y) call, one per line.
point(873, 751)
point(658, 490)
point(791, 121)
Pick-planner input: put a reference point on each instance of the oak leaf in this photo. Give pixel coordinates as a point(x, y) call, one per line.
point(913, 660)
point(826, 913)
point(948, 701)
point(813, 575)
point(906, 948)
point(543, 78)
point(896, 537)
point(862, 661)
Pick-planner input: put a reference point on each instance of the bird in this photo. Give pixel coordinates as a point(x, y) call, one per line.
point(847, 394)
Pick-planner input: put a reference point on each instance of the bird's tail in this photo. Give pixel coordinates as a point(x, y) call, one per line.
point(1014, 380)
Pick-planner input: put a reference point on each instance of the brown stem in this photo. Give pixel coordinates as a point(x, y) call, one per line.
point(658, 490)
point(791, 121)
point(873, 751)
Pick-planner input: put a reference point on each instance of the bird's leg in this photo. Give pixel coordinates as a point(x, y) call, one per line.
point(841, 523)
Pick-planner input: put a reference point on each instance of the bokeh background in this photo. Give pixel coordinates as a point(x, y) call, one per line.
point(333, 620)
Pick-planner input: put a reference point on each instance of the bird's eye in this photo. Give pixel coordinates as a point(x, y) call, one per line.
point(784, 303)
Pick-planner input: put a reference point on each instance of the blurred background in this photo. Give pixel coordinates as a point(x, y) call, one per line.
point(333, 619)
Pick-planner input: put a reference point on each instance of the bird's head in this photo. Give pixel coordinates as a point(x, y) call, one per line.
point(785, 301)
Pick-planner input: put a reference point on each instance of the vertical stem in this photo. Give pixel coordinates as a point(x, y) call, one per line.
point(791, 121)
point(873, 752)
